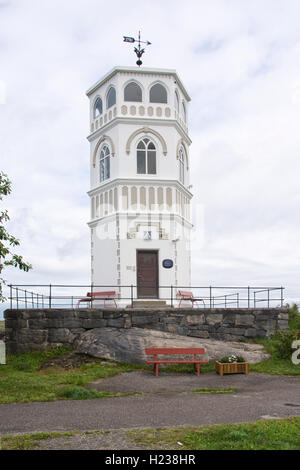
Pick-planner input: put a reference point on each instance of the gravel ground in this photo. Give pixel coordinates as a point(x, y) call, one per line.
point(108, 440)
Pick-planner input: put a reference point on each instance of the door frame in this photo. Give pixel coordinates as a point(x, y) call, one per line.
point(156, 251)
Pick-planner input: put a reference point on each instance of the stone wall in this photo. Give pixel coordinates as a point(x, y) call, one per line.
point(42, 328)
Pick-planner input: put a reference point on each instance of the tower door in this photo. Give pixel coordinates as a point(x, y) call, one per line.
point(147, 274)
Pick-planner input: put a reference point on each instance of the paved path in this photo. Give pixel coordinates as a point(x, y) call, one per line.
point(169, 403)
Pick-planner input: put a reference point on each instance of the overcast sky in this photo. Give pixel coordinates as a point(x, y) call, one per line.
point(240, 62)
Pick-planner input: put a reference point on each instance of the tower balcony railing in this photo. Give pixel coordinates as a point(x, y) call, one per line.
point(50, 296)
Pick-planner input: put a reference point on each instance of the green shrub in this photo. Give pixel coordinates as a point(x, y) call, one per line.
point(294, 318)
point(282, 343)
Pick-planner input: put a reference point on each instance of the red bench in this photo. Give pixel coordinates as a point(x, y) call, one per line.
point(187, 295)
point(91, 296)
point(175, 352)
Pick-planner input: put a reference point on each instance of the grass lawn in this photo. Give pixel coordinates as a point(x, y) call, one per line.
point(283, 434)
point(22, 380)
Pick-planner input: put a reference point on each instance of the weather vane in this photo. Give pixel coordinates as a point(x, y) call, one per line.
point(138, 50)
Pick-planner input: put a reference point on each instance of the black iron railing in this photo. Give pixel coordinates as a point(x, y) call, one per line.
point(71, 296)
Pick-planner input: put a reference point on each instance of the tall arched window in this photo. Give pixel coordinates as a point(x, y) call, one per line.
point(98, 108)
point(104, 163)
point(146, 157)
point(133, 92)
point(181, 158)
point(176, 102)
point(183, 111)
point(111, 97)
point(158, 94)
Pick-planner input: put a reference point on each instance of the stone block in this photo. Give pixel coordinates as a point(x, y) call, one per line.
point(60, 335)
point(116, 322)
point(90, 323)
point(244, 320)
point(198, 334)
point(37, 324)
point(89, 314)
point(283, 316)
point(195, 319)
point(283, 325)
point(254, 333)
point(139, 320)
point(26, 335)
point(213, 318)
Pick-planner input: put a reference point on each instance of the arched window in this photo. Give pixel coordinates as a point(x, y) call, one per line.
point(176, 102)
point(133, 92)
point(146, 157)
point(183, 111)
point(111, 97)
point(104, 163)
point(158, 94)
point(98, 108)
point(181, 159)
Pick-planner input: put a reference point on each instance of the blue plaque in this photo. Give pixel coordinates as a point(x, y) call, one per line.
point(167, 263)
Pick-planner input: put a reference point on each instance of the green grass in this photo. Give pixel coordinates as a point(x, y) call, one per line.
point(21, 380)
point(214, 390)
point(279, 348)
point(30, 441)
point(262, 435)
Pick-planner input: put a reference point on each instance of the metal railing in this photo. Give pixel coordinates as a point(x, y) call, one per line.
point(67, 296)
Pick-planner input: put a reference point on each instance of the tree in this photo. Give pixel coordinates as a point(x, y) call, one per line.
point(7, 241)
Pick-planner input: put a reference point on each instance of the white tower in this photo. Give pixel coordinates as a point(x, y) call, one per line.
point(140, 197)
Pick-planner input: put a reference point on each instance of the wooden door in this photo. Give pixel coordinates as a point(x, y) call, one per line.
point(147, 274)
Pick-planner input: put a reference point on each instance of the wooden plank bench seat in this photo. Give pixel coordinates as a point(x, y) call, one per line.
point(175, 352)
point(91, 296)
point(184, 295)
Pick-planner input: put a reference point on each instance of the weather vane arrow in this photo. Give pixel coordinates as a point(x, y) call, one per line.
point(138, 50)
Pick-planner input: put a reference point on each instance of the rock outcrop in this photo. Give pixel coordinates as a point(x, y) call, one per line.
point(128, 345)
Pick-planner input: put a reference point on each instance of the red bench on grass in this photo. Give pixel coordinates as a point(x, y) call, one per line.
point(184, 295)
point(91, 296)
point(175, 352)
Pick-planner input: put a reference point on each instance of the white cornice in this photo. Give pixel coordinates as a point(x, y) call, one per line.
point(128, 213)
point(138, 181)
point(138, 70)
point(140, 122)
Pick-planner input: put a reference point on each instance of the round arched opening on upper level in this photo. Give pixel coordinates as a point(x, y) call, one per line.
point(133, 92)
point(111, 97)
point(158, 94)
point(183, 111)
point(176, 101)
point(98, 108)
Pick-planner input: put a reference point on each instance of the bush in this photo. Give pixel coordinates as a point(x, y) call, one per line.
point(294, 318)
point(282, 343)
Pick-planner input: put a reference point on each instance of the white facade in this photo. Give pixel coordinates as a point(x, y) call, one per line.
point(140, 197)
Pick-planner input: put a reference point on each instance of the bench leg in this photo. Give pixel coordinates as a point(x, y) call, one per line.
point(156, 369)
point(198, 369)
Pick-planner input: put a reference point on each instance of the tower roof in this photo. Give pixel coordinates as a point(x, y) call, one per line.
point(138, 70)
